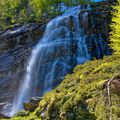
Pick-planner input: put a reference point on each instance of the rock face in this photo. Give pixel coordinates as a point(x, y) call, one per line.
point(96, 21)
point(32, 104)
point(19, 36)
point(3, 116)
point(16, 44)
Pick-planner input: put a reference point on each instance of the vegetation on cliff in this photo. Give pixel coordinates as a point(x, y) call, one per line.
point(83, 95)
point(115, 26)
point(22, 11)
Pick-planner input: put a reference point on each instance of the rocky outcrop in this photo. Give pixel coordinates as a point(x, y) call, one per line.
point(15, 47)
point(95, 20)
point(18, 36)
point(32, 104)
point(3, 116)
point(95, 23)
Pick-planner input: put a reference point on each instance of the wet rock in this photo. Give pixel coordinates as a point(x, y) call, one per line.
point(32, 104)
point(96, 20)
point(15, 47)
point(20, 36)
point(35, 100)
point(3, 116)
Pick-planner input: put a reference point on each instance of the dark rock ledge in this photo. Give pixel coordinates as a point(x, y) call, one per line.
point(15, 47)
point(20, 36)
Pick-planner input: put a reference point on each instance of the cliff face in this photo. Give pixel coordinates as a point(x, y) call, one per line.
point(16, 44)
point(15, 47)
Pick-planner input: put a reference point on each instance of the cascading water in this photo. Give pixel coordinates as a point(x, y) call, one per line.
point(63, 46)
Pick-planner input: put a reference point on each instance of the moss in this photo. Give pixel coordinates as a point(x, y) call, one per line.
point(22, 115)
point(83, 94)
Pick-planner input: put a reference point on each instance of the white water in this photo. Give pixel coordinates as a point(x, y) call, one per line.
point(62, 47)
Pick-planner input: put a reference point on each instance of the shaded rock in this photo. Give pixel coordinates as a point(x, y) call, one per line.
point(32, 104)
point(114, 85)
point(96, 20)
point(15, 48)
point(20, 36)
point(3, 116)
point(35, 100)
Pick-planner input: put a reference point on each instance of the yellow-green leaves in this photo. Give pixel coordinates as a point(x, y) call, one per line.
point(22, 11)
point(115, 26)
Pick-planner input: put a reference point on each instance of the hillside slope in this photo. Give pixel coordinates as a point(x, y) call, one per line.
point(83, 95)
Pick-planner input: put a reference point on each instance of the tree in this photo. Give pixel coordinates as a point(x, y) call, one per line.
point(13, 11)
point(22, 11)
point(115, 26)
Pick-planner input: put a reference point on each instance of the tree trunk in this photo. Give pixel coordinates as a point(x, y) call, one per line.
point(109, 98)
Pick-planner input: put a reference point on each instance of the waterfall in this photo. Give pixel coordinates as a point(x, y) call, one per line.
point(63, 45)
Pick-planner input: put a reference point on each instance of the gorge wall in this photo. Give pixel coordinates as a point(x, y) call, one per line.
point(16, 44)
point(15, 47)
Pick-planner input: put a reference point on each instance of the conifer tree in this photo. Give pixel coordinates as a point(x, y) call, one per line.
point(22, 11)
point(115, 26)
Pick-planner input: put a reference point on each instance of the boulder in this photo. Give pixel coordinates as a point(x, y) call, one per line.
point(35, 100)
point(32, 104)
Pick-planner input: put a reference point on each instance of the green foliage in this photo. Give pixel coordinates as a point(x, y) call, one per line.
point(115, 26)
point(83, 94)
point(13, 11)
point(22, 11)
point(24, 115)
